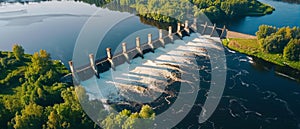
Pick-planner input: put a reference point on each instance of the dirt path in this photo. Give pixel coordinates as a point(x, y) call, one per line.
point(232, 34)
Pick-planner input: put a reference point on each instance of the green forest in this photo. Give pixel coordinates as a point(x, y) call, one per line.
point(169, 10)
point(285, 41)
point(33, 97)
point(214, 10)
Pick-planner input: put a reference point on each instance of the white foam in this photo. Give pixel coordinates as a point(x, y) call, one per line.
point(231, 51)
point(144, 80)
point(284, 75)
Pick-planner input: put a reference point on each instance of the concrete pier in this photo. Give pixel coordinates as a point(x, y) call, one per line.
point(92, 61)
point(93, 66)
point(213, 30)
point(170, 31)
point(160, 34)
point(150, 43)
point(124, 47)
point(138, 45)
point(125, 52)
point(72, 74)
point(194, 25)
point(223, 32)
point(161, 38)
point(137, 42)
point(204, 28)
point(149, 38)
point(71, 66)
point(179, 30)
point(109, 58)
point(186, 27)
point(178, 27)
point(108, 52)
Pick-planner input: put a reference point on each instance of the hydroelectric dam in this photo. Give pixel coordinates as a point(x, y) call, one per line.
point(165, 73)
point(98, 66)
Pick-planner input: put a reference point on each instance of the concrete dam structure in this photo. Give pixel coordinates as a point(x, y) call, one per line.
point(98, 66)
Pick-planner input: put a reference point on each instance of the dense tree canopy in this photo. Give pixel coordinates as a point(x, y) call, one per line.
point(32, 96)
point(273, 44)
point(31, 117)
point(283, 40)
point(162, 10)
point(127, 120)
point(234, 8)
point(39, 100)
point(292, 50)
point(264, 31)
point(168, 10)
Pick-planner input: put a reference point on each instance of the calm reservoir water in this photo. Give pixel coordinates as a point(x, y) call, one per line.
point(257, 94)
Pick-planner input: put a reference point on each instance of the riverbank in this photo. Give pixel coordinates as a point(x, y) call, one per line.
point(251, 47)
point(233, 34)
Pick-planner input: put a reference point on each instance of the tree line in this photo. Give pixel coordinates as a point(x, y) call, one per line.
point(172, 10)
point(214, 10)
point(285, 41)
point(227, 9)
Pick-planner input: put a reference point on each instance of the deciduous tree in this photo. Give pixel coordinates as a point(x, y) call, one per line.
point(264, 31)
point(292, 50)
point(18, 51)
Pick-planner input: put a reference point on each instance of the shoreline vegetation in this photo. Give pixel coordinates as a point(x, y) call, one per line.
point(214, 10)
point(246, 46)
point(32, 96)
point(277, 49)
point(171, 11)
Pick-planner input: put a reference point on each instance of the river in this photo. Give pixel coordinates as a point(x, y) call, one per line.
point(285, 14)
point(256, 94)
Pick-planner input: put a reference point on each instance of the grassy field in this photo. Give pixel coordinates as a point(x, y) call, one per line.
point(252, 47)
